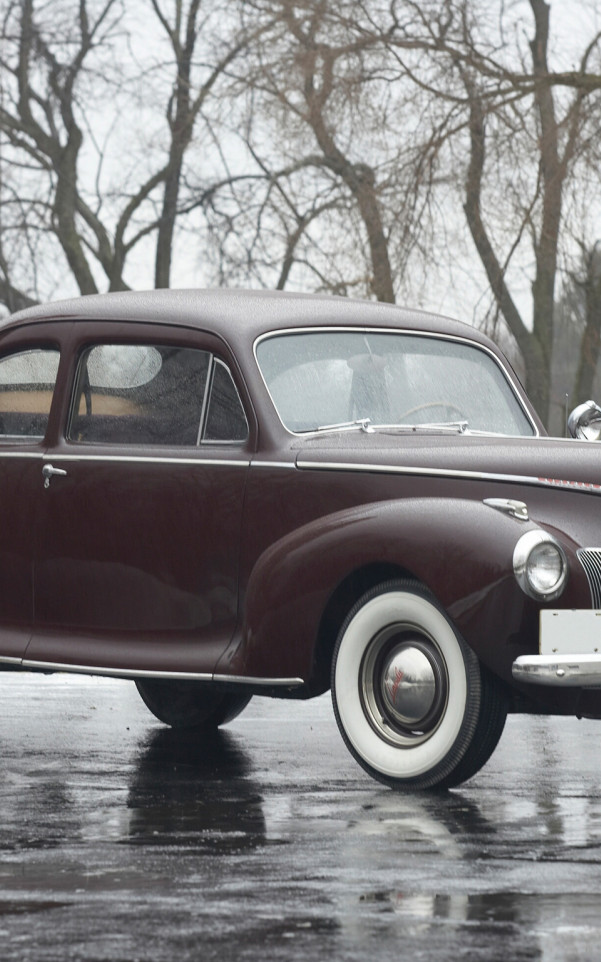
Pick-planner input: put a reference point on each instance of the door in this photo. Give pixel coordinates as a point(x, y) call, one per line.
point(28, 371)
point(137, 558)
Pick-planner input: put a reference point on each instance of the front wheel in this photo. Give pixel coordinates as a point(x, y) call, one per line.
point(409, 695)
point(190, 704)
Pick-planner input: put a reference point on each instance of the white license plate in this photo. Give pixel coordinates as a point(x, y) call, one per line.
point(570, 632)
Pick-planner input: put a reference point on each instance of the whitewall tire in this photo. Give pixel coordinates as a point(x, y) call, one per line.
point(406, 688)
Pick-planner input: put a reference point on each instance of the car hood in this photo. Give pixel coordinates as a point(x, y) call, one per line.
point(549, 461)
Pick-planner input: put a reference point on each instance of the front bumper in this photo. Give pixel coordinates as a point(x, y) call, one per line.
point(562, 671)
point(570, 650)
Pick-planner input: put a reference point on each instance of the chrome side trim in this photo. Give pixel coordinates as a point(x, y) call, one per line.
point(404, 469)
point(22, 454)
point(5, 660)
point(142, 673)
point(561, 671)
point(134, 458)
point(114, 672)
point(85, 456)
point(147, 459)
point(447, 473)
point(263, 682)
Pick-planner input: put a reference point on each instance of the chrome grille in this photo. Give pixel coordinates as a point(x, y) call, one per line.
point(590, 559)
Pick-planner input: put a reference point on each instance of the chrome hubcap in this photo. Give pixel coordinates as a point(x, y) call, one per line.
point(408, 685)
point(403, 685)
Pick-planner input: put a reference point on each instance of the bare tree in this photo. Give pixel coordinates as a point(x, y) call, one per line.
point(184, 107)
point(526, 126)
point(61, 61)
point(587, 286)
point(44, 119)
point(557, 145)
point(324, 123)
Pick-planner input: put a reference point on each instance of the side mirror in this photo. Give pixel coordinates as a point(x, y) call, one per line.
point(584, 422)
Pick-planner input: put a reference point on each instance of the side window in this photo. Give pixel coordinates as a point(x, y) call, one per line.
point(147, 394)
point(226, 420)
point(27, 382)
point(139, 394)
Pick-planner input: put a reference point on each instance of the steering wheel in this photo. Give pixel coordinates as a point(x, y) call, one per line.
point(451, 410)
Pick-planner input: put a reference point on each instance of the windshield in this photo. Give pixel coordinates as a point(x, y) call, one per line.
point(339, 380)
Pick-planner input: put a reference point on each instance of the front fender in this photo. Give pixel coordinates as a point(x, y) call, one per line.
point(461, 550)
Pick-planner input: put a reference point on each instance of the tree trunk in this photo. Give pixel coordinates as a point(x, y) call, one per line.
point(359, 178)
point(590, 346)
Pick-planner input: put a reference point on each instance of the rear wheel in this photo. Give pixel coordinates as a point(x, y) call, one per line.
point(410, 698)
point(190, 704)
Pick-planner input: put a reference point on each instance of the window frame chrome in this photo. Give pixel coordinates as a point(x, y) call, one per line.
point(214, 362)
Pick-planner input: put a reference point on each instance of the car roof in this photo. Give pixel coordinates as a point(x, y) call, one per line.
point(244, 314)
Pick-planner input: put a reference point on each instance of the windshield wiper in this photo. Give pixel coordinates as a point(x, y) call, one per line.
point(458, 427)
point(363, 423)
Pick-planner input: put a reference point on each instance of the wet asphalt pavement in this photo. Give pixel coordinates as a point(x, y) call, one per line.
point(121, 840)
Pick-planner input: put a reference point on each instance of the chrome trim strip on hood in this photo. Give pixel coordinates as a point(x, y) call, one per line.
point(584, 486)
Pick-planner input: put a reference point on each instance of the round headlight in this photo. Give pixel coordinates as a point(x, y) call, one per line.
point(540, 565)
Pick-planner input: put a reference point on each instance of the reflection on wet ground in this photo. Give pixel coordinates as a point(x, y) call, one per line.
point(123, 840)
point(195, 793)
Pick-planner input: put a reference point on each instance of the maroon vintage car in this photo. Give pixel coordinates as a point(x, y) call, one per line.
point(220, 494)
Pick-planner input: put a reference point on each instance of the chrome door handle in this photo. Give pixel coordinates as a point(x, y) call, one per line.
point(48, 471)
